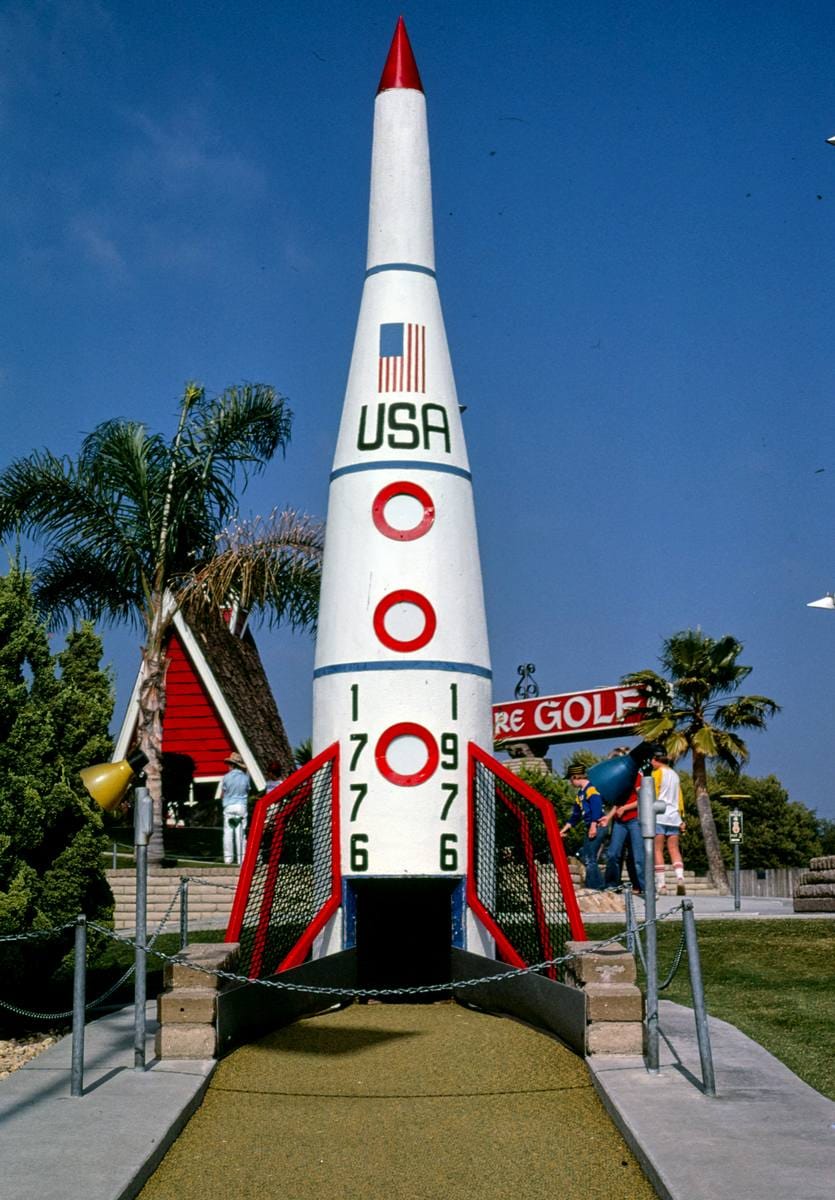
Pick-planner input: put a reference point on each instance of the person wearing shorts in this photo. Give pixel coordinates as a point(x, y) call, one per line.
point(669, 824)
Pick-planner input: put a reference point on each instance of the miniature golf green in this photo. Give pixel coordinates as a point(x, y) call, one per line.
point(400, 1101)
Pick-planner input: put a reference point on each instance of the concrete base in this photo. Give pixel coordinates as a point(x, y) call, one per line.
point(765, 1136)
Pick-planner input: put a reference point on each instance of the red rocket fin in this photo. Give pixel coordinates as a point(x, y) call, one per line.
point(400, 70)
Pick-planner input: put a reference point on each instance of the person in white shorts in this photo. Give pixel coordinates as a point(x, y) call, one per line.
point(669, 823)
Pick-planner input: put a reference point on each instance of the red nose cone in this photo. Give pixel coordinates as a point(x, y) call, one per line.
point(400, 70)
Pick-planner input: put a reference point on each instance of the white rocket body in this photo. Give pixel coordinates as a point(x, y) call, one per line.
point(402, 676)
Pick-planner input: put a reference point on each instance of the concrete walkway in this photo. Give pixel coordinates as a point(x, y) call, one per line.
point(718, 908)
point(104, 1144)
point(765, 1136)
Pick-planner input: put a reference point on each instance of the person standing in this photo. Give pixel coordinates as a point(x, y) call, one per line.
point(626, 836)
point(670, 823)
point(588, 808)
point(234, 793)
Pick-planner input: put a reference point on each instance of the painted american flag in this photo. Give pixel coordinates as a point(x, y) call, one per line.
point(402, 362)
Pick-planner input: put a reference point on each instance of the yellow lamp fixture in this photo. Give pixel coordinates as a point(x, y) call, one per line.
point(109, 783)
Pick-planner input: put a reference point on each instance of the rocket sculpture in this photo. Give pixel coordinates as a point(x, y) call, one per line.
point(402, 785)
point(402, 670)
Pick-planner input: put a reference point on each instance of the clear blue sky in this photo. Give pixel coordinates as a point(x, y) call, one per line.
point(635, 209)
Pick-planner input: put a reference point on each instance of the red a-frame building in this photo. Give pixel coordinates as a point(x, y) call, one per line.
point(217, 700)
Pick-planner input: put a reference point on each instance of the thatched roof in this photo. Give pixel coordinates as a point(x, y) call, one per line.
point(239, 673)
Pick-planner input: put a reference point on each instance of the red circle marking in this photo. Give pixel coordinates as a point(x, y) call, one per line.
point(404, 596)
point(407, 729)
point(403, 488)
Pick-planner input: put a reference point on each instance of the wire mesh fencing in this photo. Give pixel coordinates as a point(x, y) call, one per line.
point(520, 883)
point(289, 882)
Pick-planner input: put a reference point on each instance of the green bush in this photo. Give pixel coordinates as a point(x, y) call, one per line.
point(54, 716)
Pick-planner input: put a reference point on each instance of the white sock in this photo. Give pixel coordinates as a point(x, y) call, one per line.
point(679, 870)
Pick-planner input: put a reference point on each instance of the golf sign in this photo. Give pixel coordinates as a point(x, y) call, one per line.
point(569, 716)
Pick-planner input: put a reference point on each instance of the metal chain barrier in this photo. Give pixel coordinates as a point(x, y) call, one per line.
point(370, 993)
point(677, 957)
point(62, 1016)
point(36, 933)
point(229, 887)
point(375, 993)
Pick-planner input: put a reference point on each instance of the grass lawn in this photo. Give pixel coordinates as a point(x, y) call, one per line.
point(774, 980)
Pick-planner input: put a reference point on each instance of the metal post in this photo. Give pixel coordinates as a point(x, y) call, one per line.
point(651, 953)
point(183, 911)
point(737, 900)
point(646, 808)
point(630, 917)
point(702, 1030)
point(115, 856)
point(142, 829)
point(140, 958)
point(79, 1001)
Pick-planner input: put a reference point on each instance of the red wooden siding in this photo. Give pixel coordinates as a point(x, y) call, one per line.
point(192, 725)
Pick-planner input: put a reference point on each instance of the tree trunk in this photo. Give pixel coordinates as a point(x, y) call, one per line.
point(151, 712)
point(715, 865)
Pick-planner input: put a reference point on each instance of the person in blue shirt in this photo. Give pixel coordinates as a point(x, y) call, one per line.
point(234, 793)
point(588, 808)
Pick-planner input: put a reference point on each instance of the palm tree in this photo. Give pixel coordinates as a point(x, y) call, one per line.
point(136, 526)
point(695, 711)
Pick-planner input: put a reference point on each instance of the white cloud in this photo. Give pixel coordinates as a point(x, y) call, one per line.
point(99, 247)
point(183, 152)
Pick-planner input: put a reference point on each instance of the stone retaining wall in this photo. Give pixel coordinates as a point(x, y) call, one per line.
point(209, 903)
point(816, 890)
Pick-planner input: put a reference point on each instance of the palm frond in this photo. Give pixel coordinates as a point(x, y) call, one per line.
point(64, 503)
point(676, 744)
point(240, 430)
point(41, 496)
point(700, 666)
point(71, 583)
point(730, 749)
point(127, 466)
point(704, 741)
point(746, 712)
point(269, 567)
point(655, 729)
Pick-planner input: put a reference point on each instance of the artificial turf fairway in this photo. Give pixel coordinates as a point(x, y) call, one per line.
point(403, 1102)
